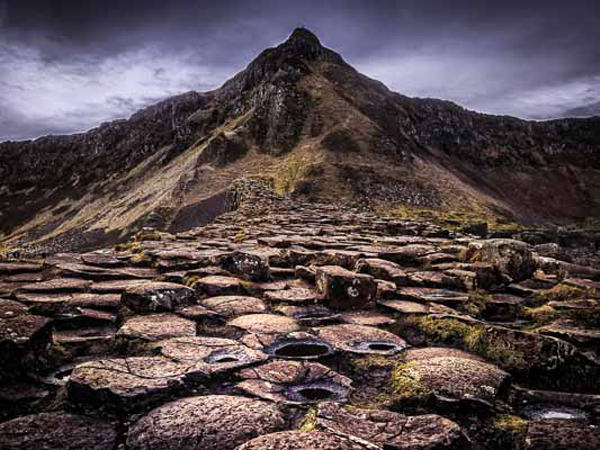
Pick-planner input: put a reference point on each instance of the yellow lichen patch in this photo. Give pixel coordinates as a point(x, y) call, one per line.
point(407, 389)
point(563, 293)
point(471, 337)
point(140, 258)
point(190, 281)
point(131, 247)
point(371, 362)
point(240, 237)
point(454, 216)
point(476, 303)
point(542, 315)
point(507, 432)
point(308, 423)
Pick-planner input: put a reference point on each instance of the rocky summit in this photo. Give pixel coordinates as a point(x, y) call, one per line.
point(288, 324)
point(302, 119)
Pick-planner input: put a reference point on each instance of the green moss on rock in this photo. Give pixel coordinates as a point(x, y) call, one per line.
point(507, 432)
point(471, 337)
point(407, 389)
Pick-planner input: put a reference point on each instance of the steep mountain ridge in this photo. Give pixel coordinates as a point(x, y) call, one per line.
point(302, 118)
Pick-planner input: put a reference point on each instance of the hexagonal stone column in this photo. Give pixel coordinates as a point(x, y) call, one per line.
point(57, 431)
point(213, 422)
point(343, 289)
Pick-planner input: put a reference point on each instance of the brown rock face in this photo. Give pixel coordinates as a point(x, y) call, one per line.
point(390, 430)
point(553, 434)
point(511, 257)
point(126, 384)
point(156, 327)
point(214, 422)
point(24, 339)
point(362, 339)
point(451, 378)
point(153, 296)
point(295, 382)
point(265, 324)
point(294, 440)
point(209, 356)
point(57, 431)
point(343, 289)
point(231, 305)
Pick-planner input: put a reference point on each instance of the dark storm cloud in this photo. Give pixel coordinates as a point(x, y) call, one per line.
point(68, 65)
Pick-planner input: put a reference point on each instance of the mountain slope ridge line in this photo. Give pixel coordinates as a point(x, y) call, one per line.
point(300, 117)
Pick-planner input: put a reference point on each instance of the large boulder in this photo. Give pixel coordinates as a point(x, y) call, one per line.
point(452, 378)
point(57, 431)
point(295, 382)
point(512, 257)
point(213, 422)
point(128, 384)
point(343, 289)
point(387, 429)
point(252, 265)
point(297, 440)
point(158, 296)
point(156, 327)
point(24, 339)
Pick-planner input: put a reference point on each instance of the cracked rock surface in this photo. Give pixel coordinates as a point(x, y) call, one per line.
point(57, 431)
point(212, 422)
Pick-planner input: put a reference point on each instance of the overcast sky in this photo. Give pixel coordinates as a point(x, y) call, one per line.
point(68, 65)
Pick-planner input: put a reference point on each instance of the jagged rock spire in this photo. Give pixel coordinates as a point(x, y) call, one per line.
point(304, 35)
point(304, 43)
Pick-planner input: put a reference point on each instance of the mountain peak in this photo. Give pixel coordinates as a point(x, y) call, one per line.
point(304, 43)
point(304, 35)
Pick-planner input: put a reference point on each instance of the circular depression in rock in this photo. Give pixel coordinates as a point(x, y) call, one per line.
point(378, 347)
point(549, 411)
point(303, 349)
point(316, 392)
point(224, 356)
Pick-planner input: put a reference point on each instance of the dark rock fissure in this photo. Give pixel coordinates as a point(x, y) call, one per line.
point(316, 393)
point(301, 350)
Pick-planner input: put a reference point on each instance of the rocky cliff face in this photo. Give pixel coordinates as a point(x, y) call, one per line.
point(302, 118)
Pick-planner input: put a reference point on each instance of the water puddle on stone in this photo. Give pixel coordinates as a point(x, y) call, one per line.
point(378, 347)
point(544, 411)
